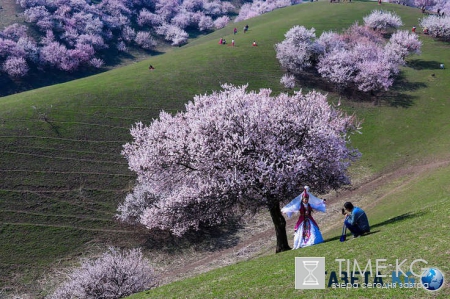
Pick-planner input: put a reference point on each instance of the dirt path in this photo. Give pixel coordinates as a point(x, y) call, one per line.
point(263, 242)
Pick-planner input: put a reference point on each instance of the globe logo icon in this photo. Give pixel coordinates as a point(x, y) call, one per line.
point(432, 279)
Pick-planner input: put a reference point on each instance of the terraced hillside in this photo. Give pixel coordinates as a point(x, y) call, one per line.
point(61, 172)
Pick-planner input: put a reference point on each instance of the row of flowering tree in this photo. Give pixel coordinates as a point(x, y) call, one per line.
point(259, 7)
point(358, 58)
point(433, 6)
point(233, 153)
point(75, 32)
point(437, 26)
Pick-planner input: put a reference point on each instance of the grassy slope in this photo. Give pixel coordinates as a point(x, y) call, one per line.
point(401, 229)
point(62, 178)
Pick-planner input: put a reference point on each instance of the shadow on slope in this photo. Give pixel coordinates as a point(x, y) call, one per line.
point(419, 64)
point(207, 239)
point(393, 220)
point(38, 78)
point(397, 96)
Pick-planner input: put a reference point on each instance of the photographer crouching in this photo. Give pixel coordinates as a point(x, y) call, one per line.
point(356, 220)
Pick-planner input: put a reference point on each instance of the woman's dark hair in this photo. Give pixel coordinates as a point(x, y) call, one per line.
point(348, 206)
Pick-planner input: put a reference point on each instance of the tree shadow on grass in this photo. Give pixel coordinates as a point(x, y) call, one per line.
point(419, 64)
point(38, 78)
point(207, 239)
point(396, 96)
point(396, 219)
point(403, 217)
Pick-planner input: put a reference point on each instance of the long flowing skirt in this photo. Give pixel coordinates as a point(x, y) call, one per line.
point(307, 234)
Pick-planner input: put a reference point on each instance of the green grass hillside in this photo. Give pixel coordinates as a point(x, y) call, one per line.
point(403, 227)
point(62, 175)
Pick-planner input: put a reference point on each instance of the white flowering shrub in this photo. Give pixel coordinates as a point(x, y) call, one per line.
point(115, 274)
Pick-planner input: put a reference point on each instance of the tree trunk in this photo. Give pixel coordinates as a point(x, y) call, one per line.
point(280, 227)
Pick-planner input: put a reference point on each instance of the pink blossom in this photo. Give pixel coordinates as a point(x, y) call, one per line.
point(233, 152)
point(288, 81)
point(221, 22)
point(116, 274)
point(145, 40)
point(15, 67)
point(382, 20)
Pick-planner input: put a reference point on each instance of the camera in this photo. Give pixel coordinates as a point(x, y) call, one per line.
point(343, 211)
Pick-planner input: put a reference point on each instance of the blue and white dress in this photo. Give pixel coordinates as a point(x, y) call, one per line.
point(307, 231)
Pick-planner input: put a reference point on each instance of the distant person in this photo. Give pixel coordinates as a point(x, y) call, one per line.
point(221, 41)
point(413, 29)
point(151, 67)
point(245, 28)
point(254, 44)
point(356, 220)
point(232, 42)
point(425, 30)
point(379, 2)
point(224, 41)
point(235, 30)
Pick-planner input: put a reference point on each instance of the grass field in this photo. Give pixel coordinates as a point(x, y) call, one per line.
point(62, 174)
point(401, 229)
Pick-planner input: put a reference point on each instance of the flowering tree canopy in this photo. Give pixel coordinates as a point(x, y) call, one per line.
point(443, 6)
point(298, 50)
point(259, 7)
point(358, 58)
point(66, 26)
point(382, 20)
point(288, 81)
point(234, 152)
point(114, 275)
point(437, 26)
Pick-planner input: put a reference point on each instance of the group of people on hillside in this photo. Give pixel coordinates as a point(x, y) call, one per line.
point(222, 41)
point(307, 231)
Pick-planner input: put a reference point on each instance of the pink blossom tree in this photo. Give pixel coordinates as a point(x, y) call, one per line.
point(109, 23)
point(382, 20)
point(15, 67)
point(288, 81)
point(298, 50)
point(403, 43)
point(338, 67)
point(443, 6)
point(145, 40)
point(205, 23)
point(374, 70)
point(116, 274)
point(14, 32)
point(173, 33)
point(235, 152)
point(358, 58)
point(221, 22)
point(146, 17)
point(438, 27)
point(259, 7)
point(330, 41)
point(183, 19)
point(424, 3)
point(357, 34)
